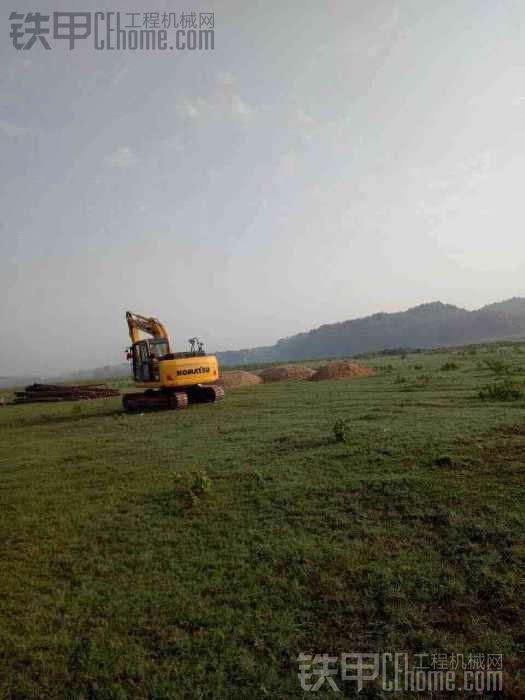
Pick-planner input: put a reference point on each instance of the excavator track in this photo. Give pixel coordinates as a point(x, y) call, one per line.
point(155, 401)
point(218, 391)
point(205, 393)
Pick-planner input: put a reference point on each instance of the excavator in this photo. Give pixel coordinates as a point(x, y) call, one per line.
point(170, 380)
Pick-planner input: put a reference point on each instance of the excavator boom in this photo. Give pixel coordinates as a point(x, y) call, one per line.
point(151, 326)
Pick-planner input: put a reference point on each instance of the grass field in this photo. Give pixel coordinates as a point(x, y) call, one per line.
point(196, 554)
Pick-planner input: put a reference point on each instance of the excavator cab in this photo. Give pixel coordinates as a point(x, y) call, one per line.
point(145, 356)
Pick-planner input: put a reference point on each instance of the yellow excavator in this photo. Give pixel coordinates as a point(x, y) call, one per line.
point(170, 380)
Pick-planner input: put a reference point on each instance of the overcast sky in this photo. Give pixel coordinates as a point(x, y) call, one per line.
point(326, 161)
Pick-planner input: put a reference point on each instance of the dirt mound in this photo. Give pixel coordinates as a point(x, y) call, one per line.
point(238, 378)
point(290, 372)
point(342, 369)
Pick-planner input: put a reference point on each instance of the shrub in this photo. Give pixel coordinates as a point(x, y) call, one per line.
point(497, 366)
point(424, 379)
point(201, 484)
point(340, 430)
point(444, 461)
point(503, 391)
point(449, 366)
point(191, 489)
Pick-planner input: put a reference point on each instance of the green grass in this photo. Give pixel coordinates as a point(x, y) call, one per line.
point(406, 536)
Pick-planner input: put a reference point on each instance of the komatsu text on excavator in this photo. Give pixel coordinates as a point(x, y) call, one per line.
point(171, 380)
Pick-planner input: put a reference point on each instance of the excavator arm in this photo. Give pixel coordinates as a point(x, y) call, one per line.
point(151, 326)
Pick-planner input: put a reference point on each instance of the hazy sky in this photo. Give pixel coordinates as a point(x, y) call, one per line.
point(327, 160)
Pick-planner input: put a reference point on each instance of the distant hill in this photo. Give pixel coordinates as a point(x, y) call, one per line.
point(17, 381)
point(514, 307)
point(99, 373)
point(424, 326)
